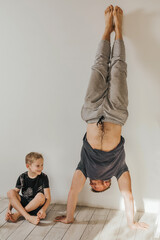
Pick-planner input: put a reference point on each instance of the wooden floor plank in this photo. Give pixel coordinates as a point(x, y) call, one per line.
point(60, 207)
point(125, 232)
point(157, 228)
point(25, 229)
point(62, 211)
point(55, 234)
point(8, 228)
point(112, 225)
point(77, 228)
point(41, 230)
point(150, 219)
point(3, 204)
point(22, 231)
point(90, 224)
point(2, 218)
point(95, 225)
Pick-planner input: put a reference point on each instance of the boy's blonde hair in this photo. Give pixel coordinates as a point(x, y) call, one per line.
point(32, 156)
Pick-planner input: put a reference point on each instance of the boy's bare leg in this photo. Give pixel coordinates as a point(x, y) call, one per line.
point(108, 23)
point(14, 199)
point(38, 201)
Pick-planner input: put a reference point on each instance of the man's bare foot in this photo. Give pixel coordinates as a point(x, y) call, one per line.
point(14, 217)
point(108, 22)
point(33, 219)
point(118, 18)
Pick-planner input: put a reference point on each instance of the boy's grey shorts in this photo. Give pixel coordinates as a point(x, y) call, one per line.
point(107, 93)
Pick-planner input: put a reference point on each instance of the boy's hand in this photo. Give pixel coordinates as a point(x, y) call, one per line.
point(62, 219)
point(41, 214)
point(8, 214)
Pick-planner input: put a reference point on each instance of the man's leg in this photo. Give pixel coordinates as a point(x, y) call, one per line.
point(92, 109)
point(116, 102)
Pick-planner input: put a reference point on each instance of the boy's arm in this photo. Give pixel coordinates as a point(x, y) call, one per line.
point(78, 182)
point(48, 198)
point(42, 212)
point(124, 183)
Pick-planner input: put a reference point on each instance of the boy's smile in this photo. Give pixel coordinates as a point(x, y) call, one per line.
point(35, 168)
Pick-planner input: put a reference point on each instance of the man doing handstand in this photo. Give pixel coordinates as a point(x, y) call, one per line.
point(105, 111)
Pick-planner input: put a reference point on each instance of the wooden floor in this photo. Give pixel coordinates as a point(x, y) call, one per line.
point(90, 224)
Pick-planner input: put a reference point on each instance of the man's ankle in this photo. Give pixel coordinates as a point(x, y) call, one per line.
point(118, 34)
point(106, 36)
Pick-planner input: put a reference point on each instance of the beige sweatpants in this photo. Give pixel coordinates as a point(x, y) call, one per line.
point(107, 93)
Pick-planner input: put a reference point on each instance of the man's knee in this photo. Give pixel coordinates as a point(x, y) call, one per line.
point(40, 198)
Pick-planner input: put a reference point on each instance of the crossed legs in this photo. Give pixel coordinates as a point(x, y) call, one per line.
point(15, 201)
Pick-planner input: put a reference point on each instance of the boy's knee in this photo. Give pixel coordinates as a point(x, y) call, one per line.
point(11, 193)
point(40, 197)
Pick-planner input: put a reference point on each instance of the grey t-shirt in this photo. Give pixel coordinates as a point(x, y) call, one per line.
point(97, 164)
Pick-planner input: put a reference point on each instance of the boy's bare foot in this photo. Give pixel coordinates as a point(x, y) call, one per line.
point(108, 22)
point(33, 219)
point(14, 217)
point(7, 216)
point(118, 18)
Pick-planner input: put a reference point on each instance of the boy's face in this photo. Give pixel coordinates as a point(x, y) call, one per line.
point(36, 167)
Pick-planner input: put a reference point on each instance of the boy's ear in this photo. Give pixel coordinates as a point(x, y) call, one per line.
point(27, 165)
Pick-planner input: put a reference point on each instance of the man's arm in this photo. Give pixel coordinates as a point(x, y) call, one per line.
point(77, 185)
point(124, 183)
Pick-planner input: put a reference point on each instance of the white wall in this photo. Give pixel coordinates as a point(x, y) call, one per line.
point(46, 51)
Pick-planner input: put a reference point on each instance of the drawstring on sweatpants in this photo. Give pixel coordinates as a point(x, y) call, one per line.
point(100, 120)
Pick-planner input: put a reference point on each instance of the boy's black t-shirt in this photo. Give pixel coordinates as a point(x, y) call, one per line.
point(101, 165)
point(31, 186)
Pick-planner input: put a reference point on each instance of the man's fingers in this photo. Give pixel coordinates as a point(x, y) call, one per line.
point(59, 218)
point(143, 225)
point(56, 220)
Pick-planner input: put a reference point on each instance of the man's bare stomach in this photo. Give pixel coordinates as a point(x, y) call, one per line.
point(104, 137)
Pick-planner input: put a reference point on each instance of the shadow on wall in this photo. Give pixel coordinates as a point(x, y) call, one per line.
point(139, 28)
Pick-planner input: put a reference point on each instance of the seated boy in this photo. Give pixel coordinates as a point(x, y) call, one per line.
point(35, 193)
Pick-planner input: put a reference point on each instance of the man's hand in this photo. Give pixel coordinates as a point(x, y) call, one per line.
point(62, 219)
point(124, 183)
point(139, 225)
point(41, 214)
point(8, 214)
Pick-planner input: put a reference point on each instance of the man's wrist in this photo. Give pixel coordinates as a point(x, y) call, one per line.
point(70, 220)
point(130, 224)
